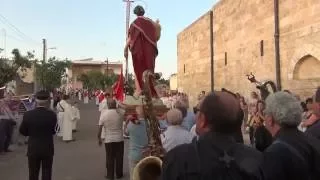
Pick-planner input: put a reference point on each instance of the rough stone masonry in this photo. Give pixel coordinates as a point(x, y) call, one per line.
point(244, 42)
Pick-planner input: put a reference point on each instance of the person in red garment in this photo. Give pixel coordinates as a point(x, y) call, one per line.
point(142, 41)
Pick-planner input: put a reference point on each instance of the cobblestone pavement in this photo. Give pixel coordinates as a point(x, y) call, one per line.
point(79, 160)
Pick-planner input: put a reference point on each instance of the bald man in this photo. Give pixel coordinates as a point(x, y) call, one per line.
point(218, 119)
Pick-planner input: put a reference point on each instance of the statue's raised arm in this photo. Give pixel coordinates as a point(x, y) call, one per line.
point(262, 86)
point(158, 29)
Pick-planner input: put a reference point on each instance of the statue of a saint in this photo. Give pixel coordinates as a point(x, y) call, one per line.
point(142, 41)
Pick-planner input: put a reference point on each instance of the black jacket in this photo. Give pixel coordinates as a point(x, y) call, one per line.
point(314, 129)
point(180, 164)
point(39, 124)
point(296, 157)
point(263, 138)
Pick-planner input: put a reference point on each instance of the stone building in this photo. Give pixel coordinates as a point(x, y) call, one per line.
point(79, 67)
point(173, 82)
point(243, 42)
point(23, 84)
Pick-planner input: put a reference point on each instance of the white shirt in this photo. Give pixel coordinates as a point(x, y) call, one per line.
point(112, 120)
point(174, 136)
point(103, 105)
point(193, 130)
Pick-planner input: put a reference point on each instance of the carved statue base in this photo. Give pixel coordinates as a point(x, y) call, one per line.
point(131, 102)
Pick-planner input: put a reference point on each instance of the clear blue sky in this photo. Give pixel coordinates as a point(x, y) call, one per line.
point(94, 28)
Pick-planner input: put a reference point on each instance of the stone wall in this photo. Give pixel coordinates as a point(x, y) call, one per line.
point(194, 58)
point(173, 82)
point(240, 27)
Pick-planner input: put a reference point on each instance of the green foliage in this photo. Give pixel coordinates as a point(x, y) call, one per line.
point(130, 79)
point(163, 81)
point(85, 80)
point(9, 68)
point(49, 74)
point(129, 84)
point(96, 79)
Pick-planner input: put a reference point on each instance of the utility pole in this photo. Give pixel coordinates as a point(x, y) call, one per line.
point(277, 44)
point(44, 41)
point(4, 43)
point(107, 66)
point(128, 3)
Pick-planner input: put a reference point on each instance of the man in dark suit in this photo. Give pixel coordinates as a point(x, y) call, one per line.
point(293, 154)
point(314, 129)
point(39, 124)
point(6, 131)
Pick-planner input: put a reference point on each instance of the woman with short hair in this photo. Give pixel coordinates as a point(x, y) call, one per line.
point(175, 133)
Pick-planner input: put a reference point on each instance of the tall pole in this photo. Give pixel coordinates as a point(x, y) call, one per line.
point(44, 41)
point(4, 43)
point(128, 3)
point(277, 44)
point(211, 51)
point(107, 66)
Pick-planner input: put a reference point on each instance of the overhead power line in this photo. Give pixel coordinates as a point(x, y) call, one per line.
point(17, 30)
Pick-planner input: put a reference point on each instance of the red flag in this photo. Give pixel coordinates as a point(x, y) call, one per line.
point(118, 90)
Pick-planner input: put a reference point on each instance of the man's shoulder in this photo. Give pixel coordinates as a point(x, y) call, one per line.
point(314, 129)
point(248, 149)
point(31, 112)
point(180, 152)
point(39, 110)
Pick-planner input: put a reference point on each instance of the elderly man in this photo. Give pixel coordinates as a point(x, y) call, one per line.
point(6, 132)
point(189, 120)
point(293, 155)
point(314, 120)
point(175, 134)
point(215, 155)
point(112, 121)
point(39, 125)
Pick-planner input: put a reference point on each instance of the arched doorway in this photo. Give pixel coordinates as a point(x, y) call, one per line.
point(307, 68)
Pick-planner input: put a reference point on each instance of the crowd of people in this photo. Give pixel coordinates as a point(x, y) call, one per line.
point(204, 141)
point(281, 131)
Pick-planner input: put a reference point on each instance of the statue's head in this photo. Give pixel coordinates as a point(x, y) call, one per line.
point(139, 10)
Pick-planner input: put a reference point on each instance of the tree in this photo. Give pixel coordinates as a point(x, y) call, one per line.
point(9, 69)
point(96, 79)
point(49, 74)
point(84, 79)
point(129, 84)
point(163, 81)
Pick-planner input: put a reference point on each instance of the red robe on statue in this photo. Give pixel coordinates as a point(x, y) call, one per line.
point(143, 47)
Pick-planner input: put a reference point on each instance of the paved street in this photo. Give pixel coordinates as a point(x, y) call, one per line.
point(79, 160)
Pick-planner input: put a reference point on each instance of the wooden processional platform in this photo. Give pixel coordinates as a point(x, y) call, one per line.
point(131, 103)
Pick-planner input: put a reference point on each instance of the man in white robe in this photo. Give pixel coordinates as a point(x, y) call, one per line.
point(76, 115)
point(79, 95)
point(59, 128)
point(97, 93)
point(86, 97)
point(68, 117)
point(51, 101)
